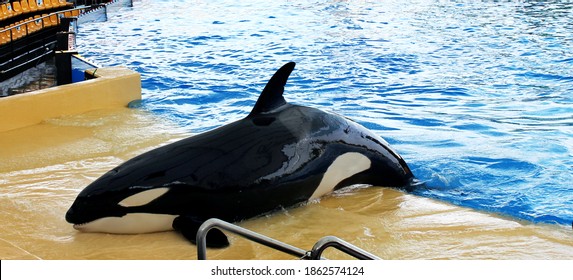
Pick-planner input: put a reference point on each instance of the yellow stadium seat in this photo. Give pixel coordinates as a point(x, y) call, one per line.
point(30, 27)
point(46, 20)
point(48, 4)
point(8, 35)
point(65, 3)
point(25, 7)
point(55, 19)
point(4, 37)
point(39, 4)
point(33, 5)
point(23, 29)
point(38, 23)
point(3, 12)
point(17, 8)
point(16, 34)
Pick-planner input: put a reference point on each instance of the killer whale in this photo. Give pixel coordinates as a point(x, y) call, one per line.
point(278, 156)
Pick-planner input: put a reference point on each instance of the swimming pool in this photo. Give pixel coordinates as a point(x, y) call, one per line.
point(477, 96)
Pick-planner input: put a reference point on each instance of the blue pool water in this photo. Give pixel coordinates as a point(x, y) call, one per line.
point(477, 96)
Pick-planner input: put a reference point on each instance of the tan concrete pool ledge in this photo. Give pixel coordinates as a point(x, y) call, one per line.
point(111, 87)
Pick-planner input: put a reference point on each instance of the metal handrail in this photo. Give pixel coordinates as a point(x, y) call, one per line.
point(251, 235)
point(333, 241)
point(314, 254)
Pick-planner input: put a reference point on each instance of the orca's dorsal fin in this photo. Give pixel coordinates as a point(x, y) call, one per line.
point(272, 96)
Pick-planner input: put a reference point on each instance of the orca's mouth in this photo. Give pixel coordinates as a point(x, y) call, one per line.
point(81, 226)
point(132, 223)
point(77, 221)
point(91, 226)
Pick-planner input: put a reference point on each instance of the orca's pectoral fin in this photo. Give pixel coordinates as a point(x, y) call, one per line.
point(188, 226)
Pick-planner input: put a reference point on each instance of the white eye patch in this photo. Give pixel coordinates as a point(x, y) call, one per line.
point(143, 198)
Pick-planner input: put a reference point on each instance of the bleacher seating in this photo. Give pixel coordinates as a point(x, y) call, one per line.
point(15, 8)
point(29, 30)
point(15, 24)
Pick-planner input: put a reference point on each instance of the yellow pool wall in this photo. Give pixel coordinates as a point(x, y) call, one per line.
point(111, 87)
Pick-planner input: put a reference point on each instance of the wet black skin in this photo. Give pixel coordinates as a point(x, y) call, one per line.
point(274, 158)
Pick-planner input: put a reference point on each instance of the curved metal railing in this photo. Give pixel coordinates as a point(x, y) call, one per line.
point(335, 242)
point(314, 254)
